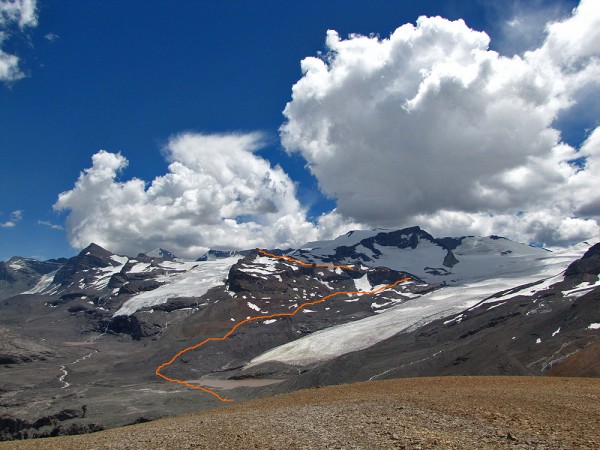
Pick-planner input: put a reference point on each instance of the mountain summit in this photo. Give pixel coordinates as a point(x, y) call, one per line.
point(161, 253)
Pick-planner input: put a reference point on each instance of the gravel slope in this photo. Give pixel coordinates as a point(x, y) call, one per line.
point(446, 412)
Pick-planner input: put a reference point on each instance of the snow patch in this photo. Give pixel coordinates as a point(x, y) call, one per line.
point(375, 305)
point(496, 305)
point(362, 284)
point(253, 306)
point(43, 284)
point(140, 267)
point(581, 289)
point(120, 260)
point(16, 265)
point(529, 291)
point(106, 273)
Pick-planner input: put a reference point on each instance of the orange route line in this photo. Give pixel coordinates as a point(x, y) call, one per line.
point(266, 317)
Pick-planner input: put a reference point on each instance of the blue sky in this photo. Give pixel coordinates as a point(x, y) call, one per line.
point(132, 76)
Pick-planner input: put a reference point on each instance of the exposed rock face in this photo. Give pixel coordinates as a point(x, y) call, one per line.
point(127, 325)
point(242, 277)
point(48, 426)
point(406, 238)
point(290, 282)
point(450, 260)
point(589, 264)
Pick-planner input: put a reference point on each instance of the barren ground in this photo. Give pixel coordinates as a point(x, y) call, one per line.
point(448, 412)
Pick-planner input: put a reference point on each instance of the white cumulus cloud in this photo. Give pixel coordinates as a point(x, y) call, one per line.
point(14, 13)
point(430, 127)
point(217, 193)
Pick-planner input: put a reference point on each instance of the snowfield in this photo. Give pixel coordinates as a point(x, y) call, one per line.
point(195, 282)
point(478, 258)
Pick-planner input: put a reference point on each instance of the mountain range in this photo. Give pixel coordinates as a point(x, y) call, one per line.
point(81, 338)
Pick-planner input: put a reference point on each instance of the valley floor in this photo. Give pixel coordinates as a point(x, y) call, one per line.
point(444, 412)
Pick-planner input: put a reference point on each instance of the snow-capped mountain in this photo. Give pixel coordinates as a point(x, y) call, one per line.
point(448, 260)
point(100, 285)
point(160, 253)
point(367, 305)
point(21, 274)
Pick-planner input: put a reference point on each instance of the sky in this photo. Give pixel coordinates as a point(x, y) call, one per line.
point(190, 125)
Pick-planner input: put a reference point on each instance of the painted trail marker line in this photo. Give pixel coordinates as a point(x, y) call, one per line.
point(266, 317)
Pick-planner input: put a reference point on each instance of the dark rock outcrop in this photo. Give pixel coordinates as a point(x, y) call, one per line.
point(15, 428)
point(589, 264)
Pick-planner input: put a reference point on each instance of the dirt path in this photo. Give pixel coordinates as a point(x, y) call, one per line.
point(448, 412)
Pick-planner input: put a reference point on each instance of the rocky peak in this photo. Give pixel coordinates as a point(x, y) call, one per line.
point(91, 257)
point(588, 264)
point(94, 250)
point(162, 254)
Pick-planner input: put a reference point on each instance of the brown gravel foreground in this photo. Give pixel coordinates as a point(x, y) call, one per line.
point(446, 412)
